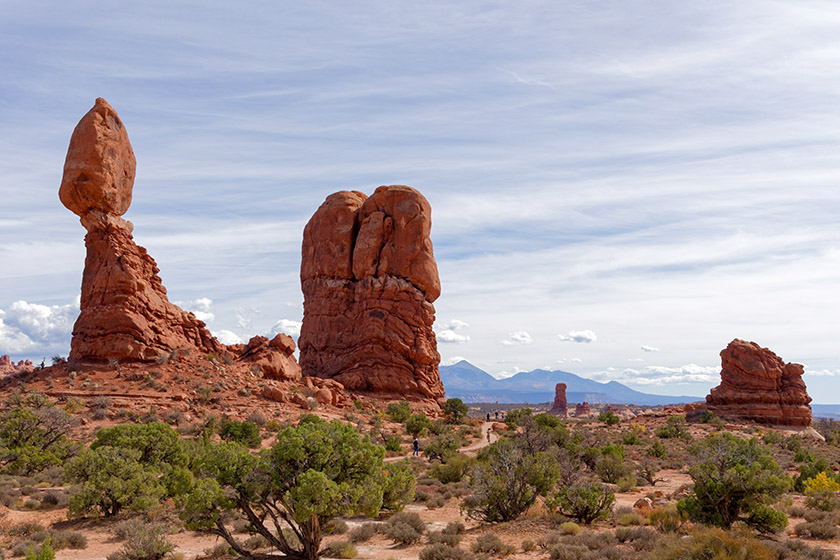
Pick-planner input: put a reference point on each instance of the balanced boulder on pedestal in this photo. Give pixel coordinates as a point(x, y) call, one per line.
point(125, 314)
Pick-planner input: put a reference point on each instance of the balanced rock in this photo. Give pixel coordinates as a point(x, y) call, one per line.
point(125, 314)
point(559, 408)
point(582, 409)
point(757, 385)
point(369, 278)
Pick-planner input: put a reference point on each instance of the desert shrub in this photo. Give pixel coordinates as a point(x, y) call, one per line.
point(566, 552)
point(257, 417)
point(408, 518)
point(715, 543)
point(548, 540)
point(610, 468)
point(393, 443)
point(362, 533)
point(817, 530)
point(443, 446)
point(110, 479)
point(340, 549)
point(454, 469)
point(591, 540)
point(336, 527)
point(628, 517)
point(507, 480)
point(569, 528)
point(398, 411)
point(657, 449)
point(43, 552)
point(143, 542)
point(455, 410)
point(490, 543)
point(609, 418)
point(454, 528)
point(641, 538)
point(402, 533)
point(34, 437)
point(821, 492)
point(440, 551)
point(626, 483)
point(417, 424)
point(667, 519)
point(124, 529)
point(448, 539)
point(585, 502)
point(735, 479)
point(256, 542)
point(528, 545)
point(773, 438)
point(792, 549)
point(68, 539)
point(247, 433)
point(674, 428)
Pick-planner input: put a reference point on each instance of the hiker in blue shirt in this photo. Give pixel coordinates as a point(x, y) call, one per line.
point(416, 447)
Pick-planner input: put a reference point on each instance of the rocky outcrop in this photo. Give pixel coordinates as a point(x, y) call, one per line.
point(9, 367)
point(125, 314)
point(275, 358)
point(582, 409)
point(369, 278)
point(757, 385)
point(559, 408)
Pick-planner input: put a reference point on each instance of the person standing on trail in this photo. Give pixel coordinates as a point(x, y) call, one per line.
point(416, 447)
point(488, 416)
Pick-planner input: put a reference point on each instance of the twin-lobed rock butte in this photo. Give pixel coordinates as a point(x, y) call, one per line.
point(560, 407)
point(582, 409)
point(757, 385)
point(369, 278)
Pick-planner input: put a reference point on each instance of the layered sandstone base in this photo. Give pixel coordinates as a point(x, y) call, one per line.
point(759, 386)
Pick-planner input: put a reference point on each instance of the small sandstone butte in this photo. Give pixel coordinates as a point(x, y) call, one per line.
point(582, 409)
point(369, 278)
point(560, 407)
point(125, 314)
point(757, 385)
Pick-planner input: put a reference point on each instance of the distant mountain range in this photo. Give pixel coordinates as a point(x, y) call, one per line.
point(472, 385)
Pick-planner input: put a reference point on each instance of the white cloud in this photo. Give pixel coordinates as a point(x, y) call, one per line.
point(32, 327)
point(227, 337)
point(579, 336)
point(576, 360)
point(649, 349)
point(823, 372)
point(661, 375)
point(202, 308)
point(450, 336)
point(518, 337)
point(287, 326)
point(446, 332)
point(454, 325)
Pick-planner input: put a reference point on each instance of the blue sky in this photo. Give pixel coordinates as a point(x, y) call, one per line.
point(618, 189)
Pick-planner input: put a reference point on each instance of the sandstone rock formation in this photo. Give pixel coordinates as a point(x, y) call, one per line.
point(757, 385)
point(582, 409)
point(369, 278)
point(125, 314)
point(8, 367)
point(275, 358)
point(560, 407)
